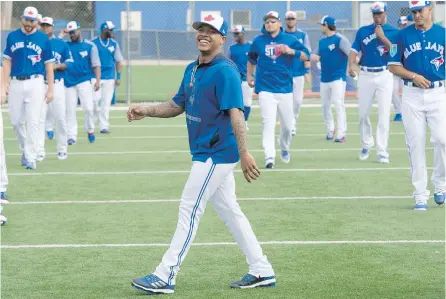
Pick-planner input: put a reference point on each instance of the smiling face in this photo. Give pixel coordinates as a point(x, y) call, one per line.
point(422, 16)
point(379, 18)
point(272, 25)
point(209, 40)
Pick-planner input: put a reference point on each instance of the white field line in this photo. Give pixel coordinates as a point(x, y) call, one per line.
point(293, 243)
point(155, 201)
point(158, 172)
point(302, 150)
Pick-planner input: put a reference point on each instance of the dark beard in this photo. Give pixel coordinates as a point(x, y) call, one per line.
point(107, 35)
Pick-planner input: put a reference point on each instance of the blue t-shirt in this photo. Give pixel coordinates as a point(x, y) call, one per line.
point(421, 52)
point(62, 54)
point(333, 52)
point(86, 57)
point(28, 52)
point(374, 52)
point(299, 66)
point(109, 54)
point(239, 54)
point(216, 88)
point(274, 71)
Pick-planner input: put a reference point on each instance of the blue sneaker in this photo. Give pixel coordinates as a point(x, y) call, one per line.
point(3, 198)
point(50, 135)
point(364, 154)
point(91, 137)
point(330, 136)
point(250, 281)
point(31, 165)
point(398, 117)
point(23, 160)
point(71, 141)
point(420, 206)
point(152, 284)
point(285, 156)
point(340, 140)
point(439, 197)
point(105, 131)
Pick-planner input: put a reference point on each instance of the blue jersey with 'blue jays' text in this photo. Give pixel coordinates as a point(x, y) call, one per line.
point(86, 57)
point(421, 52)
point(207, 92)
point(333, 52)
point(28, 52)
point(274, 71)
point(239, 54)
point(299, 66)
point(374, 52)
point(62, 54)
point(109, 54)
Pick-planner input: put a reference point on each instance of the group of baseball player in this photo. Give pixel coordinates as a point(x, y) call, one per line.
point(216, 96)
point(44, 77)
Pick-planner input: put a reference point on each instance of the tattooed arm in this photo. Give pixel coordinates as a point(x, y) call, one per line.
point(165, 110)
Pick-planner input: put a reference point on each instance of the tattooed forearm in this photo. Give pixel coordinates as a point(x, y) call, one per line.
point(239, 128)
point(164, 110)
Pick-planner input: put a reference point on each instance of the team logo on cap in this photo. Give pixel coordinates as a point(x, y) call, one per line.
point(34, 59)
point(437, 62)
point(414, 2)
point(209, 18)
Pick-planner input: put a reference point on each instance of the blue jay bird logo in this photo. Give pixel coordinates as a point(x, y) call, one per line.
point(437, 62)
point(34, 58)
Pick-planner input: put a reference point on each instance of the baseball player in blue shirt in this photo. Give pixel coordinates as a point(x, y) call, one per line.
point(271, 58)
point(211, 95)
point(57, 108)
point(3, 172)
point(332, 52)
point(111, 58)
point(238, 53)
point(375, 81)
point(419, 60)
point(301, 69)
point(82, 79)
point(26, 59)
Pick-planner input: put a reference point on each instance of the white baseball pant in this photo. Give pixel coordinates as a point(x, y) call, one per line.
point(59, 111)
point(247, 92)
point(270, 105)
point(102, 110)
point(298, 97)
point(85, 92)
point(50, 118)
point(25, 102)
point(213, 182)
point(396, 98)
point(3, 171)
point(334, 92)
point(421, 107)
point(371, 85)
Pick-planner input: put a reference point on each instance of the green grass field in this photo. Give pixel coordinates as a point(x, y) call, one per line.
point(317, 218)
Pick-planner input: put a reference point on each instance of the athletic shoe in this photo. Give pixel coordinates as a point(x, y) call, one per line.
point(40, 157)
point(62, 156)
point(91, 137)
point(3, 198)
point(330, 136)
point(31, 165)
point(152, 284)
point(383, 160)
point(50, 135)
point(269, 163)
point(105, 131)
point(398, 117)
point(420, 206)
point(286, 157)
point(439, 197)
point(340, 140)
point(3, 220)
point(71, 141)
point(364, 154)
point(23, 160)
point(246, 125)
point(250, 281)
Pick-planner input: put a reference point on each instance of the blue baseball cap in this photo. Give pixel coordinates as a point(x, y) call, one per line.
point(328, 20)
point(417, 5)
point(73, 25)
point(378, 7)
point(216, 22)
point(107, 25)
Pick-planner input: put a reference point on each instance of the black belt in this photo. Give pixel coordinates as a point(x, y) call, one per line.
point(23, 78)
point(373, 69)
point(55, 81)
point(433, 84)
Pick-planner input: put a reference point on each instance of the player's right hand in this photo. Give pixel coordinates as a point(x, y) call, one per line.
point(251, 81)
point(249, 167)
point(136, 113)
point(49, 96)
point(421, 81)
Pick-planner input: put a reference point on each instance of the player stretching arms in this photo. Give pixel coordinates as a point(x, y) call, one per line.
point(211, 96)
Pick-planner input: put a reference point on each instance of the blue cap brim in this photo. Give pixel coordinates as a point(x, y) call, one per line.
point(29, 18)
point(417, 8)
point(378, 11)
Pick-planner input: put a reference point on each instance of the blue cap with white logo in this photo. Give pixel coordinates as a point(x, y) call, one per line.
point(238, 29)
point(328, 20)
point(107, 25)
point(378, 7)
point(216, 22)
point(417, 5)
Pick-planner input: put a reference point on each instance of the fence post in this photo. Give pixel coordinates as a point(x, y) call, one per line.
point(288, 5)
point(129, 73)
point(157, 43)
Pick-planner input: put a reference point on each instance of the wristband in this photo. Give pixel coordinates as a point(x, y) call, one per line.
point(118, 76)
point(297, 53)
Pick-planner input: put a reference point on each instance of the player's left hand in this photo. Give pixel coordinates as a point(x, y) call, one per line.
point(49, 96)
point(117, 82)
point(97, 85)
point(249, 167)
point(379, 31)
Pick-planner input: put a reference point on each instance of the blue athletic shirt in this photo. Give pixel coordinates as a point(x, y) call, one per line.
point(239, 54)
point(109, 54)
point(86, 57)
point(62, 54)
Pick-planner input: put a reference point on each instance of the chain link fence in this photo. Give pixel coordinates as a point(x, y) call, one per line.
point(157, 39)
